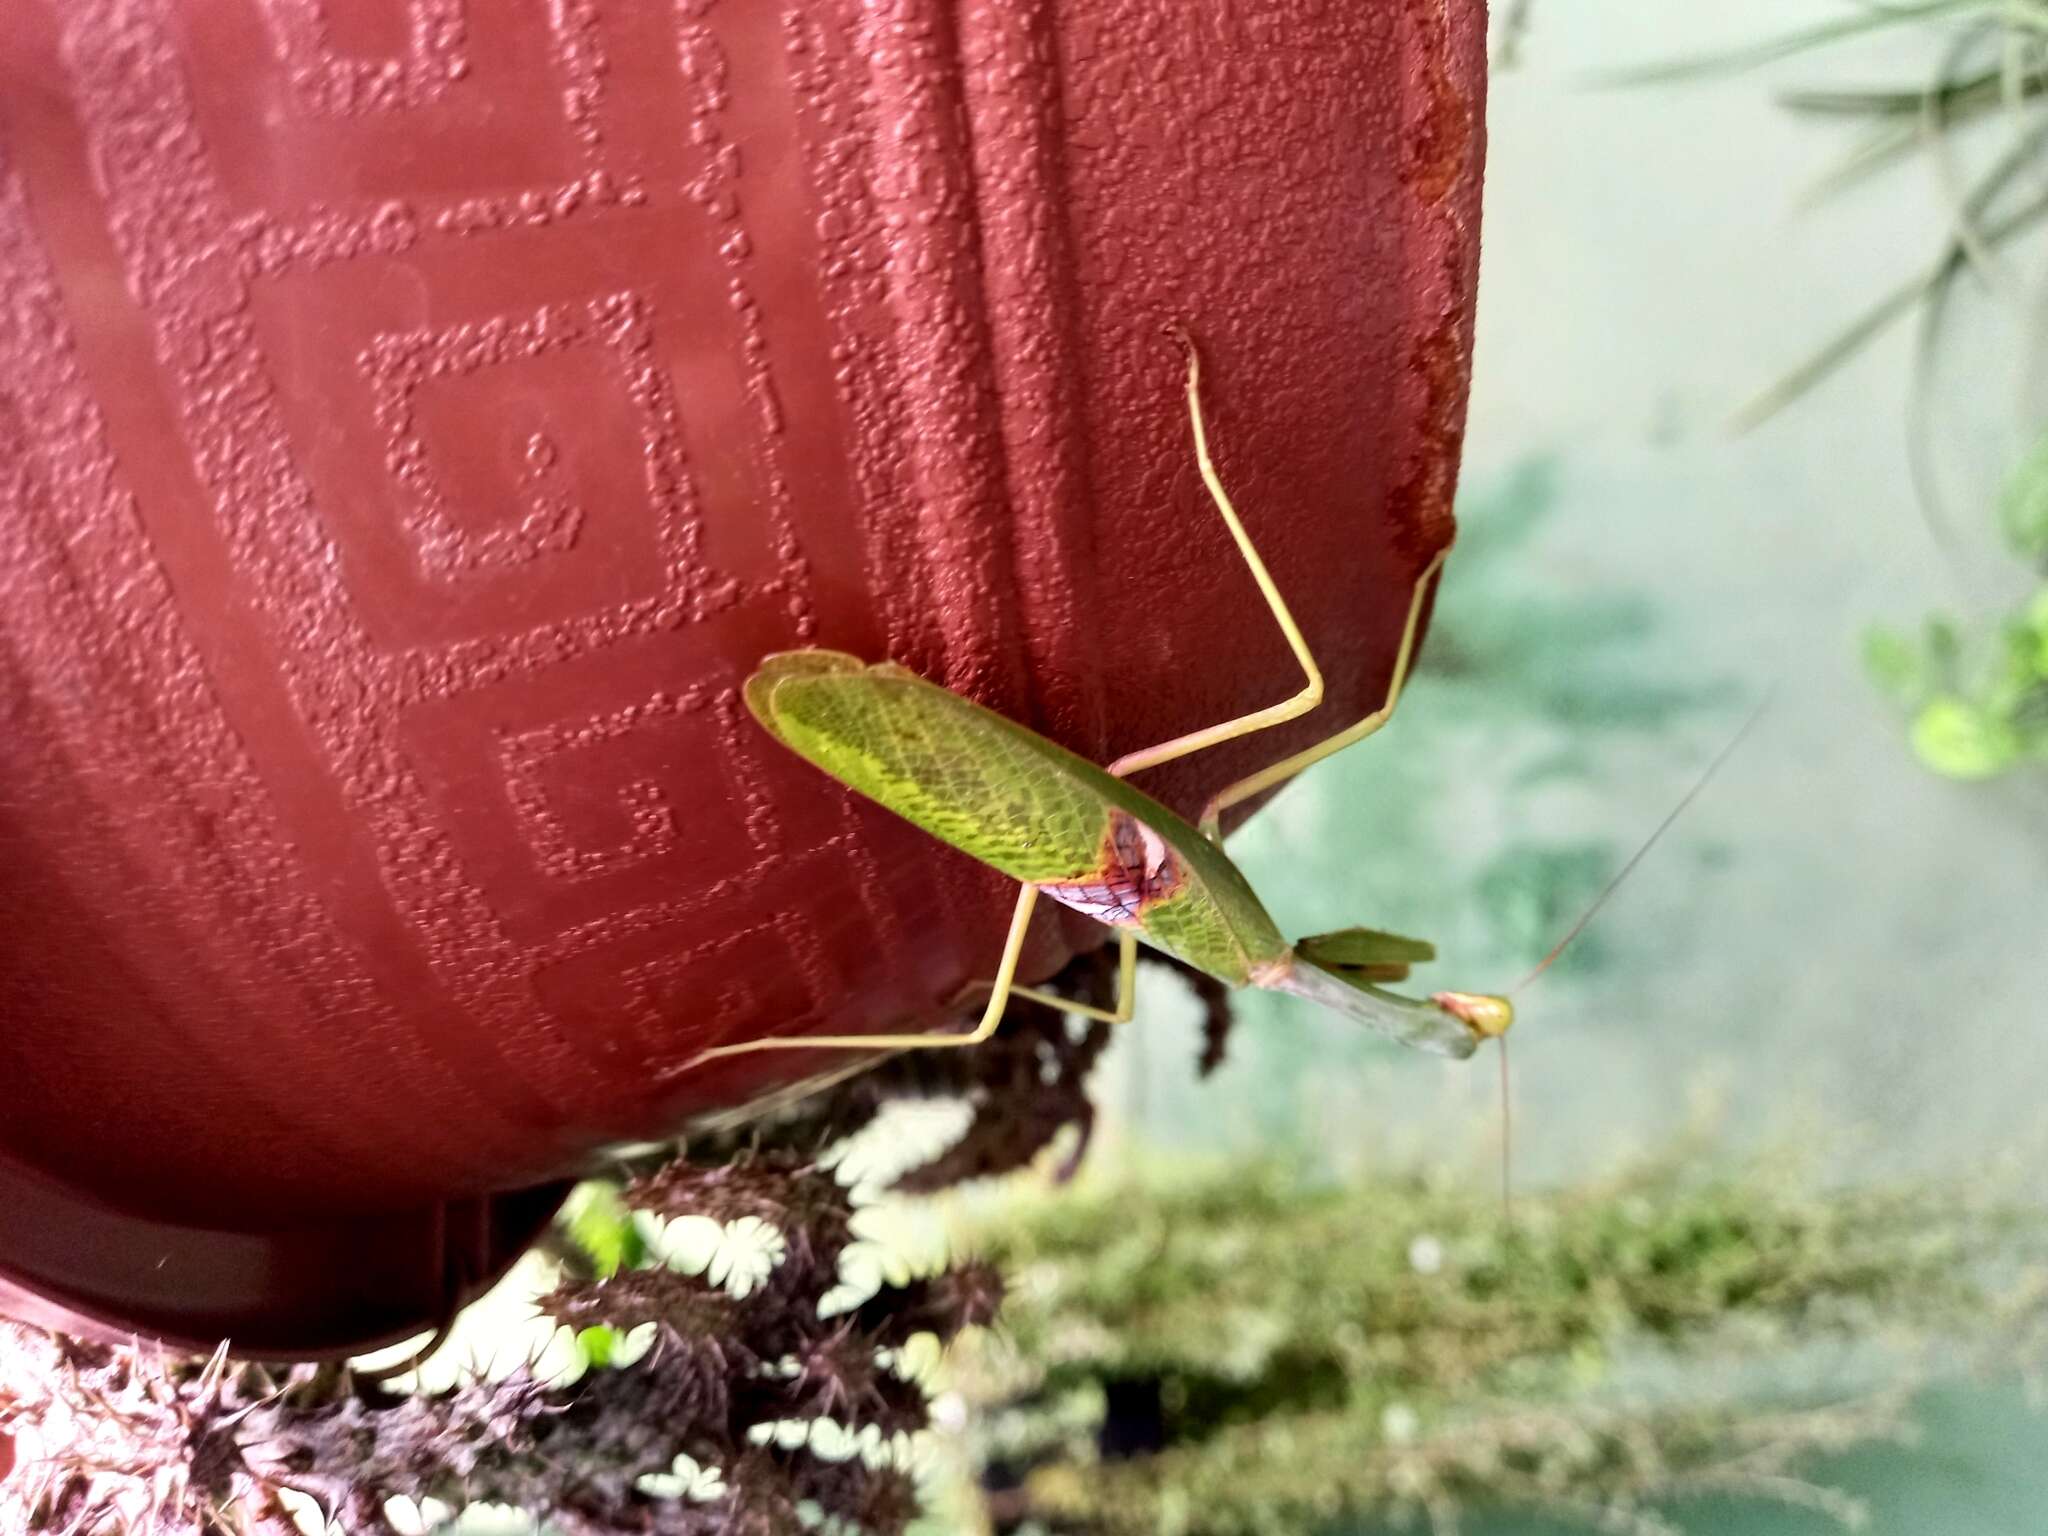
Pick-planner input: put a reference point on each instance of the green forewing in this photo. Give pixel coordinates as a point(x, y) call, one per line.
point(1002, 793)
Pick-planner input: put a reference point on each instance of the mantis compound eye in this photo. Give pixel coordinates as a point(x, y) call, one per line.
point(1487, 1017)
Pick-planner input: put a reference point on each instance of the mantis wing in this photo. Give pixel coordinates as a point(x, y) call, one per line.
point(1001, 793)
point(935, 760)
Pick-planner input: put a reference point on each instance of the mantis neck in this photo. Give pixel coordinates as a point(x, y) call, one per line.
point(1409, 1021)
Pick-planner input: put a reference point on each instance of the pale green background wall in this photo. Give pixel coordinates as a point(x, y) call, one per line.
point(1830, 931)
point(1833, 945)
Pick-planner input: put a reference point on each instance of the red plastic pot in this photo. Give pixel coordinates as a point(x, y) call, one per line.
point(417, 418)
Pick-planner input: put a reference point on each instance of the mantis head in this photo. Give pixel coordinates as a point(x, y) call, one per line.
point(1344, 972)
point(1486, 1016)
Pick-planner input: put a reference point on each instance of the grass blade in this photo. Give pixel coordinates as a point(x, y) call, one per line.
point(1790, 44)
point(1854, 337)
point(1954, 100)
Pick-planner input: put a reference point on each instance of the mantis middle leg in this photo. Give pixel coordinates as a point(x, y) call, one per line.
point(1003, 988)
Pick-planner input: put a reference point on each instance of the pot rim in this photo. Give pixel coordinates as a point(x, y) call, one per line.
point(322, 1287)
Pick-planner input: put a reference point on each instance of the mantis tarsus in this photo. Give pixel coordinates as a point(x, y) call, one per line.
point(1063, 827)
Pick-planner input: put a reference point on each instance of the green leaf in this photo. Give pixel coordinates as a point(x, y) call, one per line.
point(598, 1344)
point(1923, 288)
point(1981, 91)
point(2037, 611)
point(1897, 669)
point(2036, 621)
point(2023, 508)
point(599, 1223)
point(1789, 44)
point(2016, 678)
point(1944, 652)
point(1960, 741)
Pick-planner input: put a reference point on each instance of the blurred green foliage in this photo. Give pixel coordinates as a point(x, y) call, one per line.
point(1979, 705)
point(1977, 698)
point(600, 1225)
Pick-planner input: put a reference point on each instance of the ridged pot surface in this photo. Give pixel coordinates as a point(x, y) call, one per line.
point(417, 418)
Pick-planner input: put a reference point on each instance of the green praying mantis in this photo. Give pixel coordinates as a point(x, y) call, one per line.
point(1082, 835)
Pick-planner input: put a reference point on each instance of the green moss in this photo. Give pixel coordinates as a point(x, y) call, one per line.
point(1282, 1353)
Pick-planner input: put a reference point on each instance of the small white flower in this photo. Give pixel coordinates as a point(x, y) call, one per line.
point(500, 1333)
point(633, 1345)
point(906, 1135)
point(306, 1512)
point(1426, 1255)
point(1400, 1424)
point(706, 1483)
point(863, 1270)
point(495, 1520)
point(832, 1442)
point(660, 1485)
point(747, 1253)
point(415, 1517)
point(682, 1243)
point(685, 1479)
point(949, 1412)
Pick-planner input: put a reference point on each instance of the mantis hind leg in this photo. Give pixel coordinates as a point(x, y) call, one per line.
point(1312, 692)
point(1287, 709)
point(1002, 989)
point(1287, 768)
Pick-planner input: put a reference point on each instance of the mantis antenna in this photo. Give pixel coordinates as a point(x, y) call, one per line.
point(1592, 911)
point(1670, 818)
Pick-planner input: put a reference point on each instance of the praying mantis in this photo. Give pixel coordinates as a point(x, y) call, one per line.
point(1064, 828)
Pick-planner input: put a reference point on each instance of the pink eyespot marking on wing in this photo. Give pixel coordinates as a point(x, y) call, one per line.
point(1137, 869)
